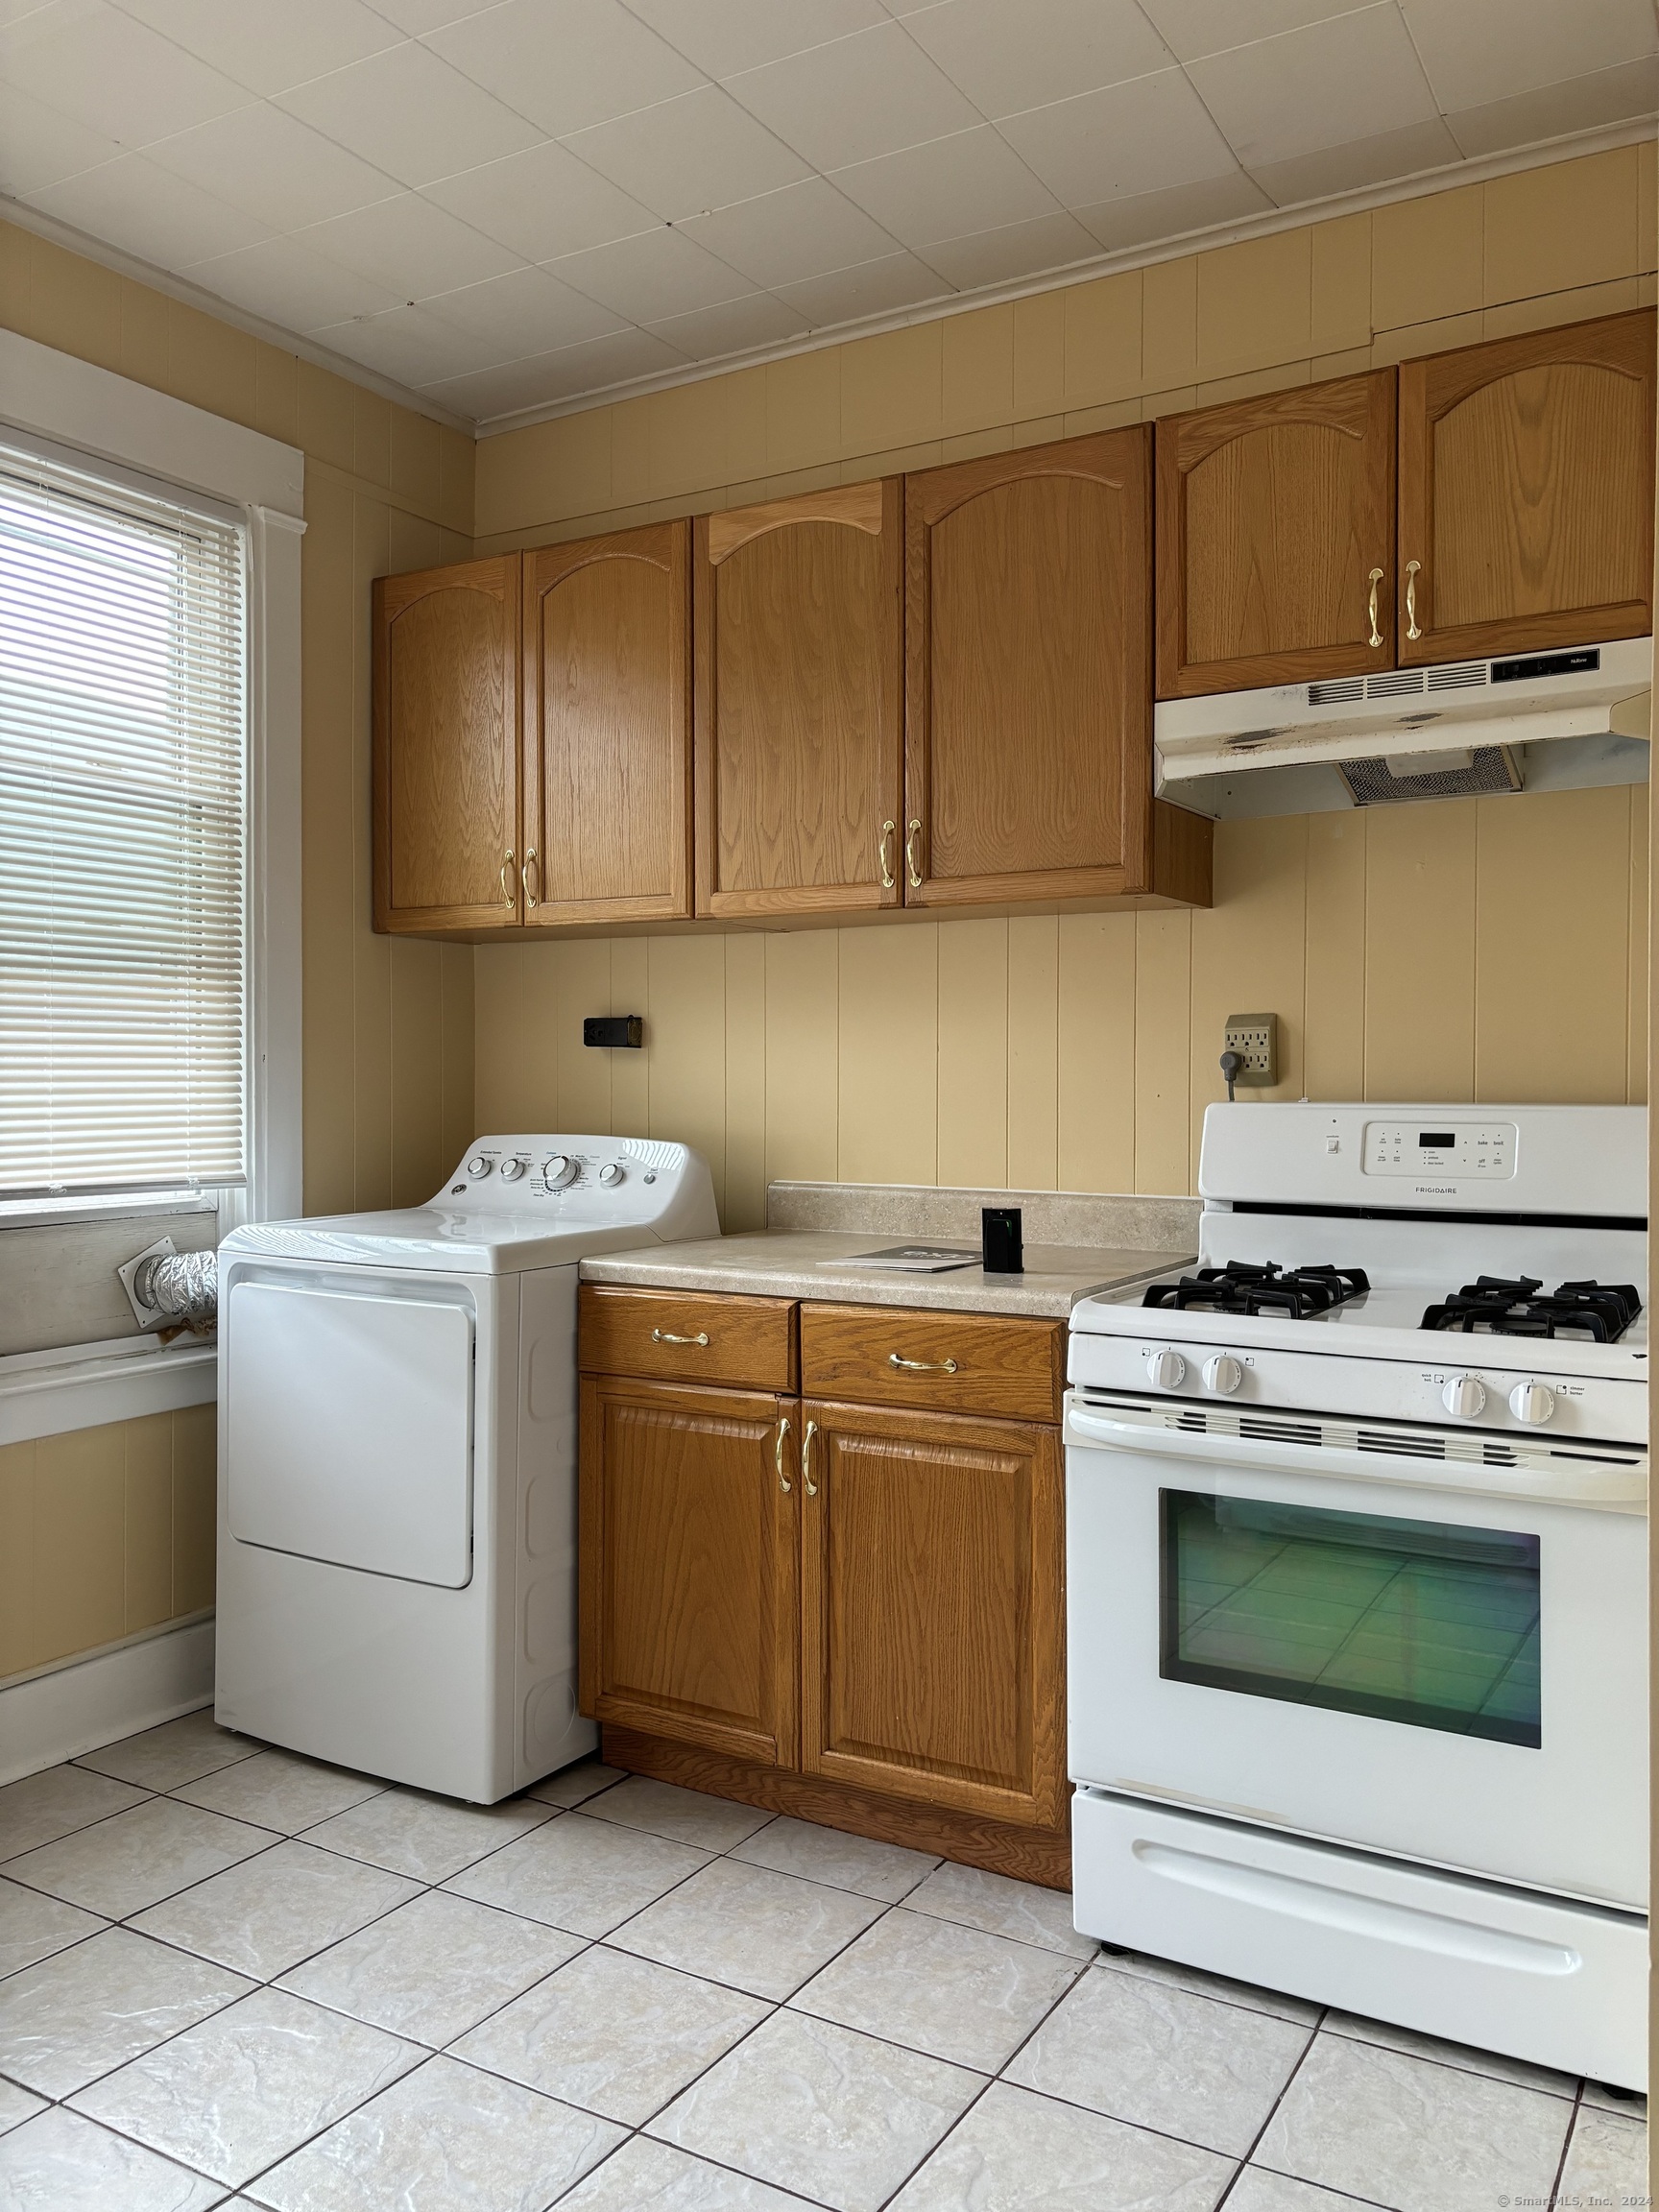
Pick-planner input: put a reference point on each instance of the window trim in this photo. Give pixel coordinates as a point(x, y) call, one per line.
point(71, 403)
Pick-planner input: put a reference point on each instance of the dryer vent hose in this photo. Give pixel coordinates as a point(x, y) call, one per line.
point(184, 1285)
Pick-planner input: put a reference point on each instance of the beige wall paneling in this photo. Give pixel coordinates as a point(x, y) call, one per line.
point(802, 1055)
point(194, 1503)
point(1163, 1051)
point(459, 1046)
point(1334, 1001)
point(1340, 303)
point(16, 1557)
point(416, 1077)
point(1249, 954)
point(511, 1027)
point(1572, 223)
point(804, 411)
point(80, 1541)
point(1033, 1051)
point(1101, 335)
point(1420, 951)
point(1039, 356)
point(1095, 1059)
point(745, 1101)
point(1170, 326)
point(328, 920)
point(1255, 305)
point(686, 1018)
point(584, 987)
point(372, 954)
point(976, 372)
point(974, 1052)
point(148, 1522)
point(889, 1055)
point(1636, 1047)
point(1428, 257)
point(631, 1070)
point(892, 389)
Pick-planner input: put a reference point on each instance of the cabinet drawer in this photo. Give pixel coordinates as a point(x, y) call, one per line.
point(686, 1338)
point(954, 1363)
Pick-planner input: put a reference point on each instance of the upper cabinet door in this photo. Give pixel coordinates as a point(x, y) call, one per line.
point(800, 710)
point(608, 728)
point(1276, 539)
point(1527, 492)
point(1028, 731)
point(446, 748)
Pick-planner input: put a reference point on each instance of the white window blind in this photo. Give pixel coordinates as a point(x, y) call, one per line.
point(123, 719)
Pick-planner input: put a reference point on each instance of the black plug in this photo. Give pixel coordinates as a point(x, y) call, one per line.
point(1231, 1064)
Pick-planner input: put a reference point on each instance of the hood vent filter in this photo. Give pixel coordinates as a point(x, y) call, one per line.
point(1465, 775)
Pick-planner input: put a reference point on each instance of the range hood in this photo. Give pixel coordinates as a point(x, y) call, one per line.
point(1555, 721)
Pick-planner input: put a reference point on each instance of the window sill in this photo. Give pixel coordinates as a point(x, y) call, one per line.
point(87, 1385)
point(103, 1206)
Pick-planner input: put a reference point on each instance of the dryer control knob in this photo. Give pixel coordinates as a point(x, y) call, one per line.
point(1166, 1370)
point(1224, 1374)
point(560, 1171)
point(477, 1164)
point(510, 1170)
point(612, 1172)
point(1533, 1403)
point(1465, 1396)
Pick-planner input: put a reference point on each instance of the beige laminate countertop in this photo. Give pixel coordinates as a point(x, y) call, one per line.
point(823, 1264)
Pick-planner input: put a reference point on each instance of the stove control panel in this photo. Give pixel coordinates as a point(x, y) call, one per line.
point(1452, 1151)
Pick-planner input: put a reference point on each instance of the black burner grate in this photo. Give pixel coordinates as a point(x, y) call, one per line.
point(1281, 1293)
point(1493, 1305)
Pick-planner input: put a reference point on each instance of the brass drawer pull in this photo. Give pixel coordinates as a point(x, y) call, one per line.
point(887, 877)
point(1412, 571)
point(509, 895)
point(807, 1458)
point(667, 1336)
point(778, 1451)
point(1376, 636)
point(532, 859)
point(923, 1366)
point(911, 862)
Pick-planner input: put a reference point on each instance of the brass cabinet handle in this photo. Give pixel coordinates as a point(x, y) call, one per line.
point(923, 1366)
point(667, 1336)
point(1376, 636)
point(887, 829)
point(509, 894)
point(778, 1451)
point(1411, 570)
point(811, 1431)
point(532, 859)
point(914, 829)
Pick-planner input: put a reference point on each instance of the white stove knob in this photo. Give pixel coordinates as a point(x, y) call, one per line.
point(560, 1171)
point(1533, 1403)
point(510, 1170)
point(612, 1172)
point(477, 1164)
point(1224, 1374)
point(1465, 1396)
point(1166, 1370)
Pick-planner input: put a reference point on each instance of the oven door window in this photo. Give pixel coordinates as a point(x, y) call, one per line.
point(1419, 1622)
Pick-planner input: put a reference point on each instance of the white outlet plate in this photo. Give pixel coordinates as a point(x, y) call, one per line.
point(1255, 1038)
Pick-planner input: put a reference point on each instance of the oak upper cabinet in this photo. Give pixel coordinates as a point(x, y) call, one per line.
point(1276, 538)
point(1028, 617)
point(799, 706)
point(932, 1586)
point(608, 728)
point(689, 1574)
point(1527, 492)
point(445, 748)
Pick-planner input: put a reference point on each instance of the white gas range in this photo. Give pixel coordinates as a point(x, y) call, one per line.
point(1357, 1577)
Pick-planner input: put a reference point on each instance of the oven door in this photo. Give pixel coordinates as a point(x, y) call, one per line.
point(1362, 1646)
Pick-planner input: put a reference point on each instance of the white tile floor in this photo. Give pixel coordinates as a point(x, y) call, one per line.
point(231, 1977)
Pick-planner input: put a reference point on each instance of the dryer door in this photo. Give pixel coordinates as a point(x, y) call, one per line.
point(349, 1430)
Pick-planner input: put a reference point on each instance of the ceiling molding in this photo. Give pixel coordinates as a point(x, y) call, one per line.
point(1573, 147)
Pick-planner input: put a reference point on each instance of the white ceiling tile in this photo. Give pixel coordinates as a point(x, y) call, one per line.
point(1139, 218)
point(418, 16)
point(410, 114)
point(1017, 249)
point(269, 48)
point(293, 285)
point(406, 343)
point(1478, 51)
point(660, 272)
point(39, 146)
point(783, 237)
point(407, 243)
point(689, 154)
point(735, 326)
point(1614, 95)
point(973, 180)
point(527, 311)
point(871, 288)
point(541, 202)
point(725, 35)
point(566, 63)
point(865, 95)
point(567, 374)
point(111, 73)
point(1008, 57)
point(273, 166)
point(1139, 137)
point(1354, 77)
point(147, 211)
point(1191, 28)
point(1358, 163)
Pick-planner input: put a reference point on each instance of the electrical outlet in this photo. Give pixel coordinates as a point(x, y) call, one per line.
point(1255, 1038)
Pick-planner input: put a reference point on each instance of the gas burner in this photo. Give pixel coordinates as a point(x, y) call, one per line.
point(1600, 1311)
point(1283, 1294)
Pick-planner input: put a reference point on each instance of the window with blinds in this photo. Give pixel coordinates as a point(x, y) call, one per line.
point(123, 722)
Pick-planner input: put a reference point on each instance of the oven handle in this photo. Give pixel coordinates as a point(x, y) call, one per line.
point(1625, 1487)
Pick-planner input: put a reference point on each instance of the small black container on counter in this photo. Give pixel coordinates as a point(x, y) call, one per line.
point(1004, 1244)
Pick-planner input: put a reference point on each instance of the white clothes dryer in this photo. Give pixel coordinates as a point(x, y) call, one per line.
point(397, 1462)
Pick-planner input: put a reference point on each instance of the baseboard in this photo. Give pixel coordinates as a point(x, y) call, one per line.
point(91, 1702)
